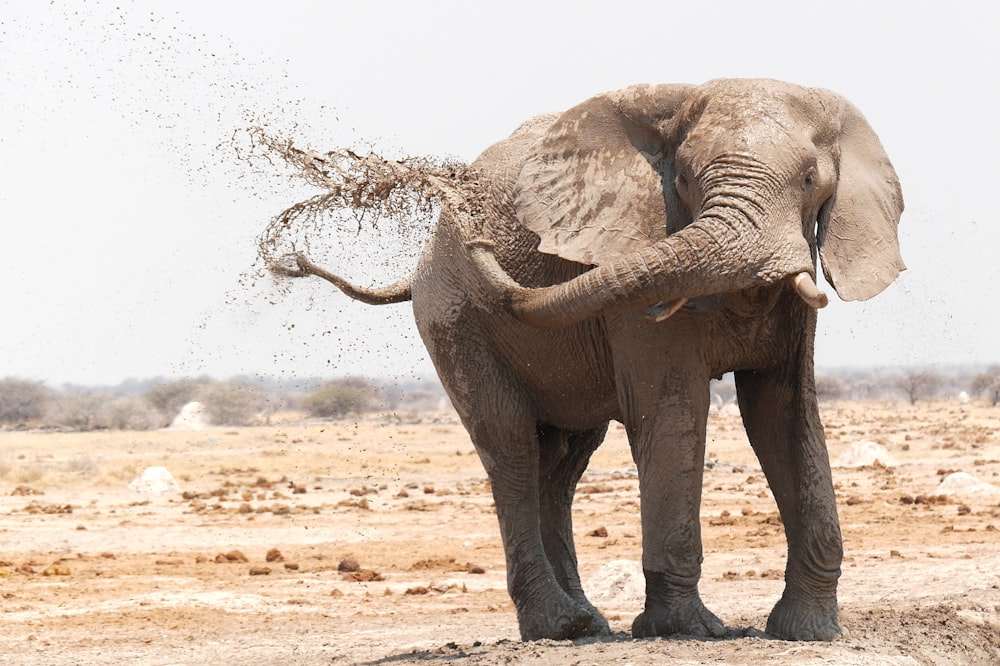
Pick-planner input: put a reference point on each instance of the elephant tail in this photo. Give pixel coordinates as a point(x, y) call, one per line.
point(397, 292)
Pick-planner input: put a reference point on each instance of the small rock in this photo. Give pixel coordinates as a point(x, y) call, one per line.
point(274, 555)
point(960, 483)
point(348, 564)
point(260, 571)
point(865, 454)
point(599, 532)
point(476, 569)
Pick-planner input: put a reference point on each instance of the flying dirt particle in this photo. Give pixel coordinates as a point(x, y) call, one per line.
point(274, 555)
point(599, 532)
point(260, 571)
point(348, 564)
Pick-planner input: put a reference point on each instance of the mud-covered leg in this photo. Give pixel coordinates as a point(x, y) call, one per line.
point(783, 425)
point(503, 430)
point(564, 457)
point(666, 408)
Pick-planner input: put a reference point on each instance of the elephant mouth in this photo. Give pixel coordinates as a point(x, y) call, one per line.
point(801, 282)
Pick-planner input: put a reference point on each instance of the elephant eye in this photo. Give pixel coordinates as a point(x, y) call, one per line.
point(809, 180)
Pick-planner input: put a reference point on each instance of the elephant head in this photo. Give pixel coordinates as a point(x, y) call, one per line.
point(673, 192)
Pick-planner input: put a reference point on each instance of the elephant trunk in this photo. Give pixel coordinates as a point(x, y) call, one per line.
point(722, 251)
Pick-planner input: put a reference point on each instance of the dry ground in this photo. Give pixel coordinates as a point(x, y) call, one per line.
point(91, 573)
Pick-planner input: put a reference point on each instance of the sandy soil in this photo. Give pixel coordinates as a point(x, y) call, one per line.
point(243, 568)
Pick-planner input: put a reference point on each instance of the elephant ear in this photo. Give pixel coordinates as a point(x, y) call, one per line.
point(599, 183)
point(859, 246)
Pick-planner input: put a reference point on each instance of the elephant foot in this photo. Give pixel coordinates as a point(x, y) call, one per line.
point(798, 620)
point(687, 616)
point(560, 619)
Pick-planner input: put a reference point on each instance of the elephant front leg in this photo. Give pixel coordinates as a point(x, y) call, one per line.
point(783, 424)
point(667, 434)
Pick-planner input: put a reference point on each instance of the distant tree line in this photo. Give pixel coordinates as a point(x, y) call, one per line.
point(914, 385)
point(151, 404)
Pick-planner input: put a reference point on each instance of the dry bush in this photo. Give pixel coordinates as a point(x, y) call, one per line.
point(233, 403)
point(21, 400)
point(76, 411)
point(129, 413)
point(340, 397)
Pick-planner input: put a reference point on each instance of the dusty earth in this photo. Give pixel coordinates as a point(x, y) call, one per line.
point(246, 566)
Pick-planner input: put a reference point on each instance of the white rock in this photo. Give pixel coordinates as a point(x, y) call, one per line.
point(960, 483)
point(865, 454)
point(154, 481)
point(193, 416)
point(619, 583)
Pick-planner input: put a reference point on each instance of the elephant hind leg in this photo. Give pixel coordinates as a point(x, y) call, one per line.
point(563, 458)
point(509, 449)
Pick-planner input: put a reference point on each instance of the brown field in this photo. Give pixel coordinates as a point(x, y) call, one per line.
point(93, 573)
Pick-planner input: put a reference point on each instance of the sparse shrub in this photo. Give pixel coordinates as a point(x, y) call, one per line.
point(987, 384)
point(129, 413)
point(77, 411)
point(830, 388)
point(21, 400)
point(918, 384)
point(233, 403)
point(340, 397)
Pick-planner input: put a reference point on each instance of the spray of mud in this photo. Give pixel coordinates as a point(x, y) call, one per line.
point(367, 190)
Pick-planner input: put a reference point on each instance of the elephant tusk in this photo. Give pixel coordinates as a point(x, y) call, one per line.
point(808, 291)
point(664, 309)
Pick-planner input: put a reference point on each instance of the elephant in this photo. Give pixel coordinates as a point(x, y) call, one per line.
point(626, 252)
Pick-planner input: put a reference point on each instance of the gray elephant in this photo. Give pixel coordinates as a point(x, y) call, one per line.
point(626, 252)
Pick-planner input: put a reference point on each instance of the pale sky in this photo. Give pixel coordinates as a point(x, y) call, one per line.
point(129, 226)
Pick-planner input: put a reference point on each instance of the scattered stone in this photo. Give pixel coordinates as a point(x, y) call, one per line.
point(260, 571)
point(362, 576)
point(23, 491)
point(193, 416)
point(961, 483)
point(348, 564)
point(865, 454)
point(291, 566)
point(156, 481)
point(420, 589)
point(56, 570)
point(619, 583)
point(476, 569)
point(274, 555)
point(599, 532)
point(231, 556)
